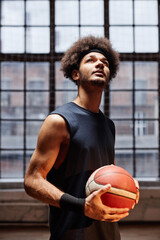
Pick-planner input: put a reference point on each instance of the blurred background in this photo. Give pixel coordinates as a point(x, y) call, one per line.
point(33, 37)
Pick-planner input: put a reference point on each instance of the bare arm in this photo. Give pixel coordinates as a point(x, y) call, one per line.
point(53, 136)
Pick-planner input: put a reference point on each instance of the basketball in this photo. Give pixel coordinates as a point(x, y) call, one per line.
point(122, 193)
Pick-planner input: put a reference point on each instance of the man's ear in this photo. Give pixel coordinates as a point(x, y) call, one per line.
point(75, 75)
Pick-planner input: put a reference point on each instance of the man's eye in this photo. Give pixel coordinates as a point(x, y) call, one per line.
point(90, 60)
point(106, 63)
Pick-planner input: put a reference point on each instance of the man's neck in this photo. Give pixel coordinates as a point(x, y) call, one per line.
point(90, 101)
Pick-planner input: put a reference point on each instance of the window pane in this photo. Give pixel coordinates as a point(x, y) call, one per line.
point(12, 164)
point(147, 163)
point(12, 105)
point(37, 105)
point(121, 104)
point(89, 10)
point(12, 134)
point(146, 39)
point(146, 104)
point(123, 79)
point(122, 38)
point(120, 12)
point(64, 14)
point(64, 97)
point(146, 12)
point(32, 130)
point(27, 158)
point(37, 13)
point(65, 37)
point(12, 75)
point(96, 31)
point(37, 75)
point(124, 138)
point(10, 16)
point(146, 75)
point(61, 81)
point(146, 134)
point(12, 39)
point(124, 159)
point(101, 107)
point(38, 40)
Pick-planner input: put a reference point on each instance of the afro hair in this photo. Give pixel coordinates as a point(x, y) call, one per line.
point(72, 57)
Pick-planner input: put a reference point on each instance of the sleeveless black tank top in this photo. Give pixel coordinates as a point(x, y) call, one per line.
point(92, 138)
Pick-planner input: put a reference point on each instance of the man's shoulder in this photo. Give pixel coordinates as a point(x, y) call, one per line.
point(62, 108)
point(55, 121)
point(109, 120)
point(111, 124)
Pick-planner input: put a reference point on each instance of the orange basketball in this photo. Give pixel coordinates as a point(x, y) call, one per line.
point(123, 189)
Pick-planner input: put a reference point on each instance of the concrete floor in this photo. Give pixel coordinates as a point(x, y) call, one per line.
point(140, 231)
point(129, 231)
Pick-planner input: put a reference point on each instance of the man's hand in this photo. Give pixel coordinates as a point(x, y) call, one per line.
point(95, 209)
point(137, 196)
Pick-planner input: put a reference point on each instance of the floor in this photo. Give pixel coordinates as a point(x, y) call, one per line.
point(145, 231)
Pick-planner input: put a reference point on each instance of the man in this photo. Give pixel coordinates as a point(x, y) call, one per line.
point(75, 140)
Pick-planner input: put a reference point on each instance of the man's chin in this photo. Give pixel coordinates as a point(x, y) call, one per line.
point(99, 83)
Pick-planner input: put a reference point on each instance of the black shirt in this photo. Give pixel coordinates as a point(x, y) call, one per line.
point(92, 138)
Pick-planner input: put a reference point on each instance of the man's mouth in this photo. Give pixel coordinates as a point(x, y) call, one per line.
point(99, 73)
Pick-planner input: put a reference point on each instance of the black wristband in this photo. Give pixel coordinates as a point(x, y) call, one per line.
point(72, 203)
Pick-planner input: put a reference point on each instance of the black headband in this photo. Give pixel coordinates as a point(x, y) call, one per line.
point(89, 51)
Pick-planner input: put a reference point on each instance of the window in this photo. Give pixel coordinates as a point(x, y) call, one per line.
point(24, 73)
point(140, 125)
point(84, 20)
point(34, 34)
point(134, 94)
point(133, 25)
point(5, 96)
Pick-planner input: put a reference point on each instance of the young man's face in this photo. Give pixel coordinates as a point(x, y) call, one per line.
point(94, 70)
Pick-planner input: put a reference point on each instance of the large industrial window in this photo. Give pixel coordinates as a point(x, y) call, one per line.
point(35, 34)
point(134, 94)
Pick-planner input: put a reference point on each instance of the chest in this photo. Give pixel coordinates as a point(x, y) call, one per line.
point(93, 135)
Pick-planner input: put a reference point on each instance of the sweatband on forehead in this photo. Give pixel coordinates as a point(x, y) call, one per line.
point(89, 51)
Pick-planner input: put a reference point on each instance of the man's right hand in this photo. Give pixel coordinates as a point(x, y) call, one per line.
point(95, 209)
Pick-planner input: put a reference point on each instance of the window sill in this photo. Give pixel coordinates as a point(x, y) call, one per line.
point(14, 183)
point(18, 183)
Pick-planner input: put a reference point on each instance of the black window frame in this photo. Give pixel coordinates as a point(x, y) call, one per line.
point(53, 56)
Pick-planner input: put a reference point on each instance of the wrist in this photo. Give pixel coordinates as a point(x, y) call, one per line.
point(69, 202)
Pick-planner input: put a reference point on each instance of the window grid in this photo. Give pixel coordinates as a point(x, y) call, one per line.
point(24, 58)
point(133, 57)
point(54, 56)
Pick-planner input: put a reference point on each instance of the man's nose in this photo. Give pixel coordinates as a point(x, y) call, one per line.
point(99, 64)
